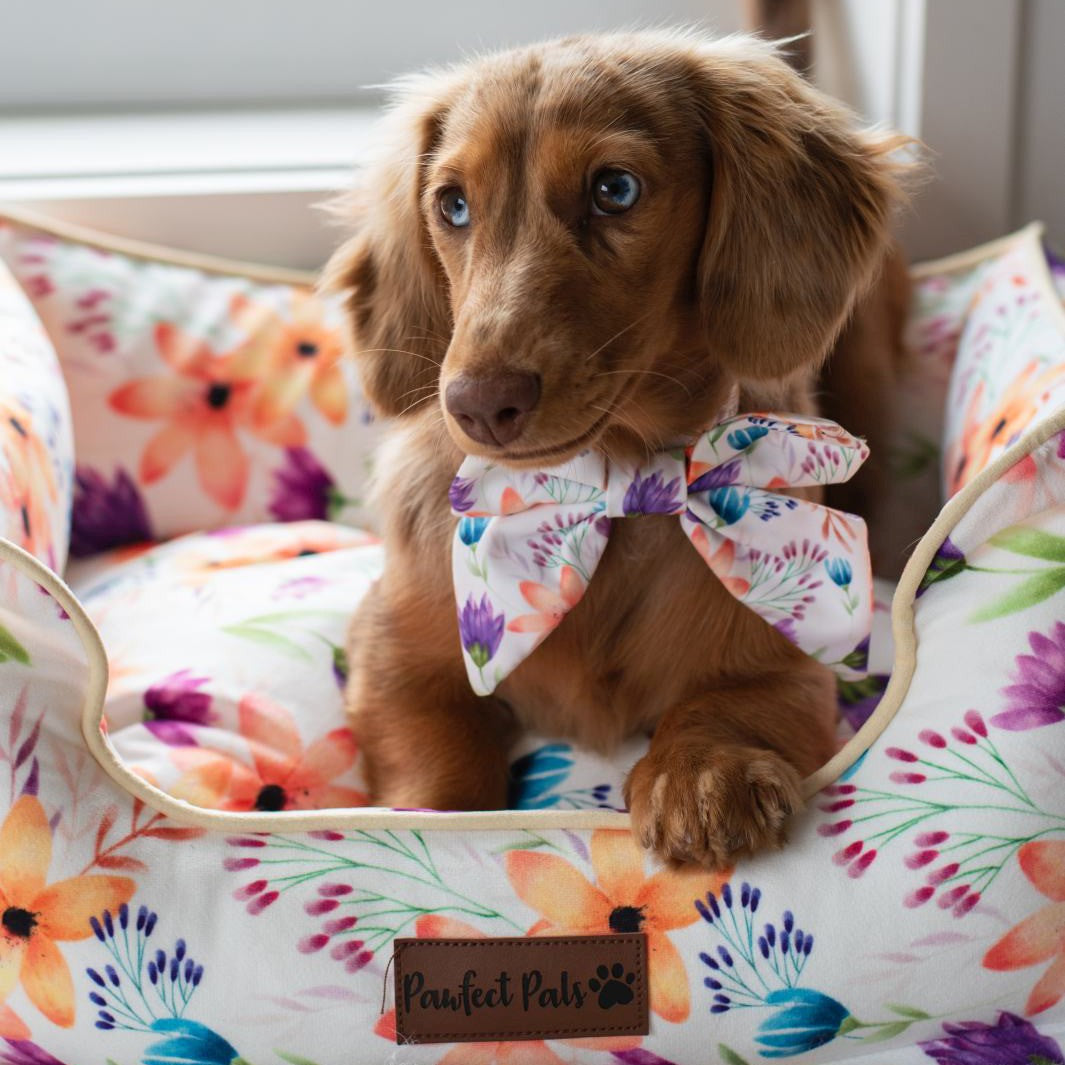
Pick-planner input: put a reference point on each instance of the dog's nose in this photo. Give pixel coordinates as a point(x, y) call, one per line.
point(493, 410)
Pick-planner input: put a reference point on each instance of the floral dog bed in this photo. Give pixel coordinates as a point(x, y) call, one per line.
point(187, 870)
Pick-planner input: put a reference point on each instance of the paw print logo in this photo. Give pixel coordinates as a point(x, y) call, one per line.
point(613, 986)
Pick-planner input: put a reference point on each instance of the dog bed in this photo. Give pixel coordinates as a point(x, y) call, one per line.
point(188, 872)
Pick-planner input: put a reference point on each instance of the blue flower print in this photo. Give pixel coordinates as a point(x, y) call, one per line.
point(471, 530)
point(805, 1019)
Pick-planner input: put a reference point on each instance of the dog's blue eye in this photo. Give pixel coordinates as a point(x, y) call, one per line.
point(614, 191)
point(454, 208)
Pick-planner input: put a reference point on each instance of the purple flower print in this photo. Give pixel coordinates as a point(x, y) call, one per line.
point(303, 488)
point(341, 667)
point(481, 630)
point(38, 286)
point(718, 477)
point(299, 587)
point(1038, 697)
point(93, 320)
point(24, 1052)
point(175, 703)
point(339, 931)
point(461, 494)
point(106, 515)
point(949, 562)
point(1012, 1041)
point(858, 699)
point(651, 495)
point(858, 658)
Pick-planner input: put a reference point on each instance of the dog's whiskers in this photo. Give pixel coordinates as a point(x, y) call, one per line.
point(429, 338)
point(416, 403)
point(397, 351)
point(610, 340)
point(431, 334)
point(653, 373)
point(614, 412)
point(420, 388)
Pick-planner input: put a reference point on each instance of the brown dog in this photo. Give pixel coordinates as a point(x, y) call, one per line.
point(589, 244)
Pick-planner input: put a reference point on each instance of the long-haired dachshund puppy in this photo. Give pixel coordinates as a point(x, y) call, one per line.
point(591, 244)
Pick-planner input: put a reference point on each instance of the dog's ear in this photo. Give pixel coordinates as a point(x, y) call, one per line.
point(800, 210)
point(396, 293)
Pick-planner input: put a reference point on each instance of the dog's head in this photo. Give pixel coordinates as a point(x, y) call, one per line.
point(591, 241)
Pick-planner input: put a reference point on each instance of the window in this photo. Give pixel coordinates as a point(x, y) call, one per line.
point(65, 54)
point(215, 125)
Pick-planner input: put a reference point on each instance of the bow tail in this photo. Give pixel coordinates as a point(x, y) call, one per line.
point(808, 575)
point(517, 580)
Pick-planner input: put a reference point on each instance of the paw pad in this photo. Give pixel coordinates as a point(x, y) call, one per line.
point(613, 986)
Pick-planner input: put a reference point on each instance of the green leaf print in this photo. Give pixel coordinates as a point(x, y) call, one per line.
point(944, 566)
point(729, 1056)
point(303, 624)
point(268, 639)
point(1026, 594)
point(908, 1011)
point(1031, 542)
point(884, 1032)
point(11, 649)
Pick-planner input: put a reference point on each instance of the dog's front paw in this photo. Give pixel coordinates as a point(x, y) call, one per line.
point(714, 808)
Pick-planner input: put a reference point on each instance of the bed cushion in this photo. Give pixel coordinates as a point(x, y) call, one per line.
point(932, 400)
point(161, 911)
point(36, 445)
point(1011, 363)
point(227, 667)
point(208, 393)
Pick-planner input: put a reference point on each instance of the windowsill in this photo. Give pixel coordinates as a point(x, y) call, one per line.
point(161, 146)
point(236, 183)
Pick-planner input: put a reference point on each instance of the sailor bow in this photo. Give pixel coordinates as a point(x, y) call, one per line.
point(528, 542)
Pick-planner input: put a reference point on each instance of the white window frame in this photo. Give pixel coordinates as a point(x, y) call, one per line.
point(242, 182)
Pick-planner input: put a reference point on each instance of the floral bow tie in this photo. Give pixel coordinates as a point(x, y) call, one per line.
point(528, 542)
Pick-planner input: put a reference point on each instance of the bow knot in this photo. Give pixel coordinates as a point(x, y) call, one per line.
point(527, 542)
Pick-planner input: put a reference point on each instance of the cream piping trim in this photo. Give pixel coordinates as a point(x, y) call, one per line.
point(373, 818)
point(156, 252)
point(903, 624)
point(962, 260)
point(903, 627)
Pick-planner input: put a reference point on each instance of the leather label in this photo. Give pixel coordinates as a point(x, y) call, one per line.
point(498, 990)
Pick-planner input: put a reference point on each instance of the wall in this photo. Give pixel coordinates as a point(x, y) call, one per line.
point(981, 84)
point(1039, 180)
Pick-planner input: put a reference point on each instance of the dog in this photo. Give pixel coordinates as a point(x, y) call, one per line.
point(591, 244)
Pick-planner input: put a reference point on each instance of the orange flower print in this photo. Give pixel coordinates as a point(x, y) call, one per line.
point(524, 1052)
point(985, 435)
point(550, 606)
point(203, 403)
point(621, 899)
point(293, 357)
point(27, 483)
point(11, 1025)
point(318, 539)
point(34, 916)
point(1041, 937)
point(720, 561)
point(283, 775)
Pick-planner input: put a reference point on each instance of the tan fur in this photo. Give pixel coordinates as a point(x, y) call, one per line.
point(764, 216)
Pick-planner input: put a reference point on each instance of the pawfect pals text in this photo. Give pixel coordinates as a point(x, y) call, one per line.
point(526, 990)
